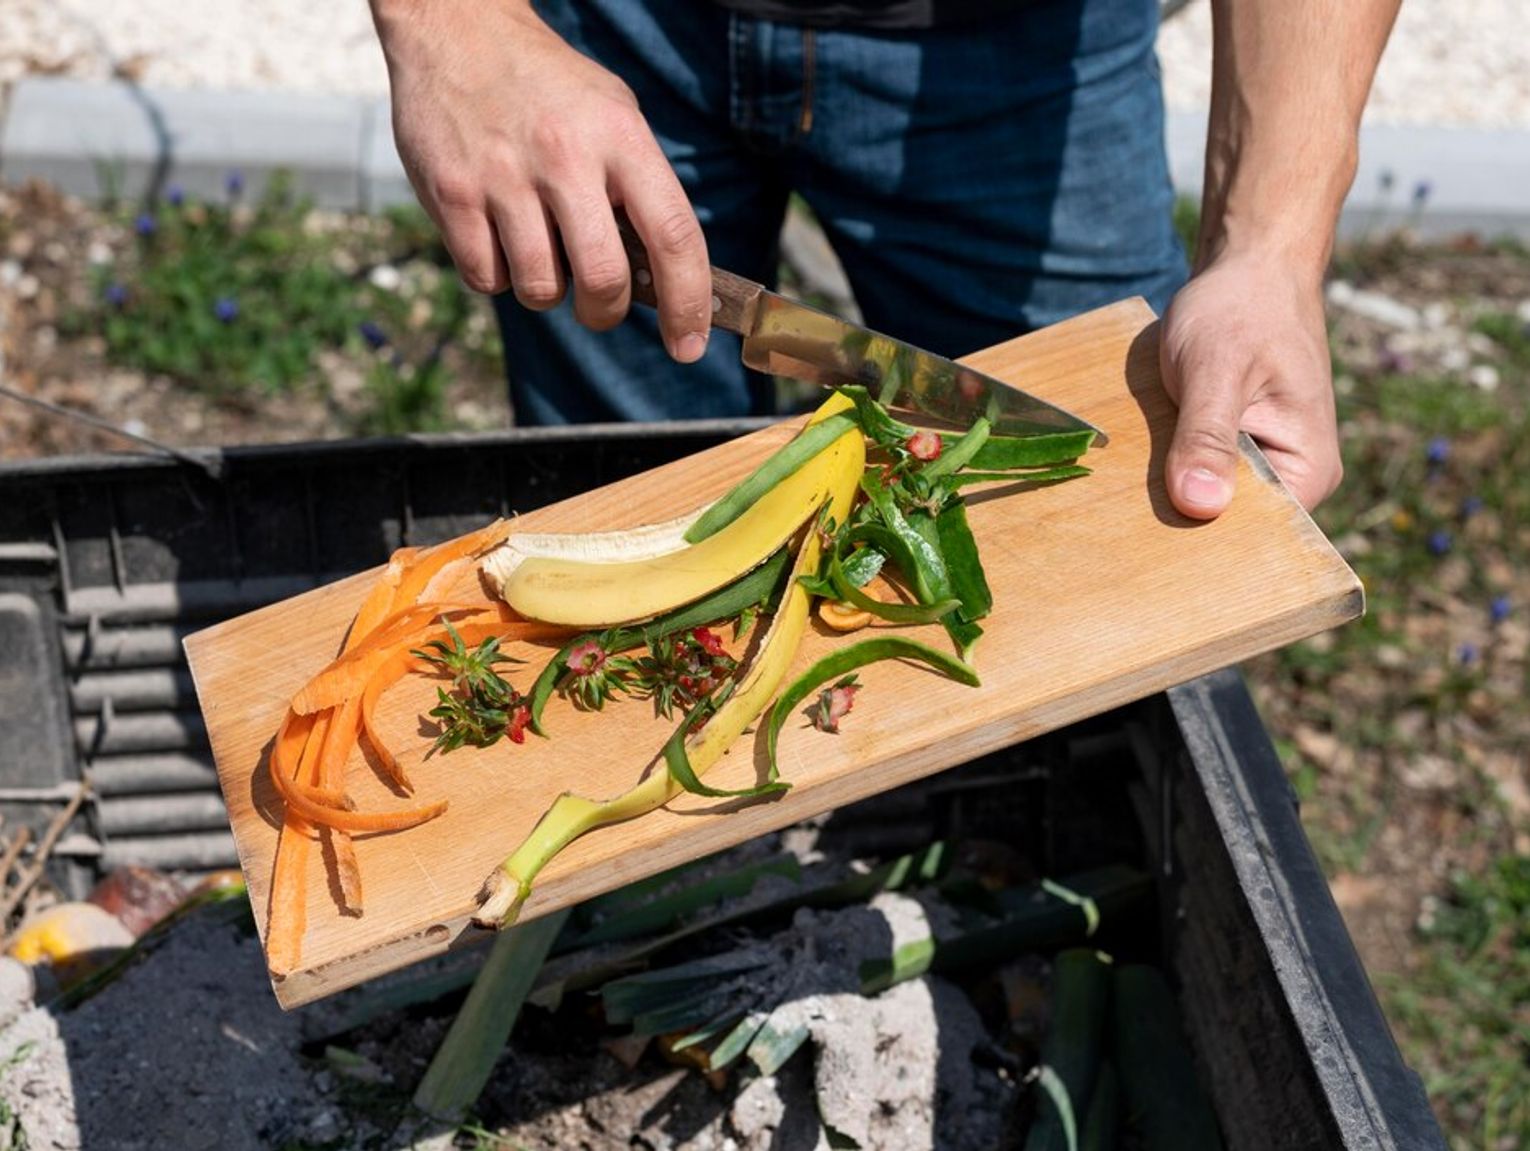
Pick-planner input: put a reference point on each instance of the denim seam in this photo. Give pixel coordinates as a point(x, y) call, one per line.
point(738, 101)
point(809, 66)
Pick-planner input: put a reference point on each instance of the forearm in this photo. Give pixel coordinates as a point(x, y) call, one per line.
point(1289, 82)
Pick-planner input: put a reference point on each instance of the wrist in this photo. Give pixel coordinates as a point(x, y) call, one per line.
point(1264, 268)
point(409, 29)
point(1275, 211)
point(1300, 257)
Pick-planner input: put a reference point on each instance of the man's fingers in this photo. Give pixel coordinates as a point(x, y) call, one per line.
point(598, 263)
point(1310, 482)
point(677, 252)
point(1203, 456)
point(532, 250)
point(471, 238)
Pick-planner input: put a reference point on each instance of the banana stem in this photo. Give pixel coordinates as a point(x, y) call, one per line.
point(508, 886)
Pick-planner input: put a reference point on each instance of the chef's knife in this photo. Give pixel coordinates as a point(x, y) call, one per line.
point(785, 338)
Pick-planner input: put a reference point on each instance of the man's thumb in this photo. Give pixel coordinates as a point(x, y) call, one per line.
point(1203, 456)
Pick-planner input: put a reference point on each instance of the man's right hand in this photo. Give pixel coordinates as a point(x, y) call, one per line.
point(517, 145)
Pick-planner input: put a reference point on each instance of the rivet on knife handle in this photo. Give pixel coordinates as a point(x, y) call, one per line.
point(734, 299)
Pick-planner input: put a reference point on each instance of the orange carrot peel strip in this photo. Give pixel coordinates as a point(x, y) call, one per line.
point(348, 675)
point(306, 805)
point(379, 602)
point(287, 912)
point(307, 760)
point(344, 729)
point(428, 564)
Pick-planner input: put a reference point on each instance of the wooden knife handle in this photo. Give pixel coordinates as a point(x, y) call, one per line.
point(734, 299)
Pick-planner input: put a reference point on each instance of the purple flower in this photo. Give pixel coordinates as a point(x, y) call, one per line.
point(115, 294)
point(1470, 506)
point(226, 308)
point(374, 336)
point(1421, 193)
point(1439, 542)
point(145, 225)
point(175, 195)
point(1467, 654)
point(1498, 610)
point(233, 183)
point(1439, 450)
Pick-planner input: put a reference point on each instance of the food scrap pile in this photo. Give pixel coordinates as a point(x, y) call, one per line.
point(857, 501)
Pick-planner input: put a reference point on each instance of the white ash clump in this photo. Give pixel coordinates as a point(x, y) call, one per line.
point(893, 1072)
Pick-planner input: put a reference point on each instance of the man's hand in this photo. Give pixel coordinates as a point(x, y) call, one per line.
point(1244, 346)
point(520, 148)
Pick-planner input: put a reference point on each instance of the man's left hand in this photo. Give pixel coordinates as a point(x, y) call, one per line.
point(1245, 347)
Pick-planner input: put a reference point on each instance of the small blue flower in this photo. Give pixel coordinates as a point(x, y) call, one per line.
point(1439, 543)
point(1498, 610)
point(145, 225)
point(233, 183)
point(175, 195)
point(1421, 192)
point(1470, 506)
point(1467, 654)
point(115, 294)
point(374, 336)
point(226, 308)
point(1439, 450)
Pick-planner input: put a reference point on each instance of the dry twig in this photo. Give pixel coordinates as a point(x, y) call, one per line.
point(33, 871)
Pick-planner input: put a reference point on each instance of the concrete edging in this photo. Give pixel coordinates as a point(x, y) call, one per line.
point(91, 138)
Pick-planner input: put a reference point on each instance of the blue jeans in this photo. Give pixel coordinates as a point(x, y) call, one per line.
point(977, 182)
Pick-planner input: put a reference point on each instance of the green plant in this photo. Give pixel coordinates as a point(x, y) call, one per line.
point(1509, 332)
point(1187, 223)
point(228, 299)
point(1467, 1002)
point(243, 301)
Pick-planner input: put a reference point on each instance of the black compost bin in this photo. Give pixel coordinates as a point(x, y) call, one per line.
point(107, 562)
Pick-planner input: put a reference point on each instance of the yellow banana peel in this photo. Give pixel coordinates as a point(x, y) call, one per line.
point(581, 587)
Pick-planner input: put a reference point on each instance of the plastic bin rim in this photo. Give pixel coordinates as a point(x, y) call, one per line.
point(45, 466)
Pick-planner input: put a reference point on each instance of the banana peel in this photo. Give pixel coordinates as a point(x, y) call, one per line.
point(835, 473)
point(639, 575)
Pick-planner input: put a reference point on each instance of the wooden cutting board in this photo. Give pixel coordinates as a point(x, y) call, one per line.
point(1103, 594)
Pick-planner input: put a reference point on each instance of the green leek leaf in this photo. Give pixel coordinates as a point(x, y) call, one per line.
point(1003, 453)
point(813, 439)
point(847, 659)
point(1036, 476)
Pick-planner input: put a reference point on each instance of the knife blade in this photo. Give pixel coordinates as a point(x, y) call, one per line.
point(786, 338)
